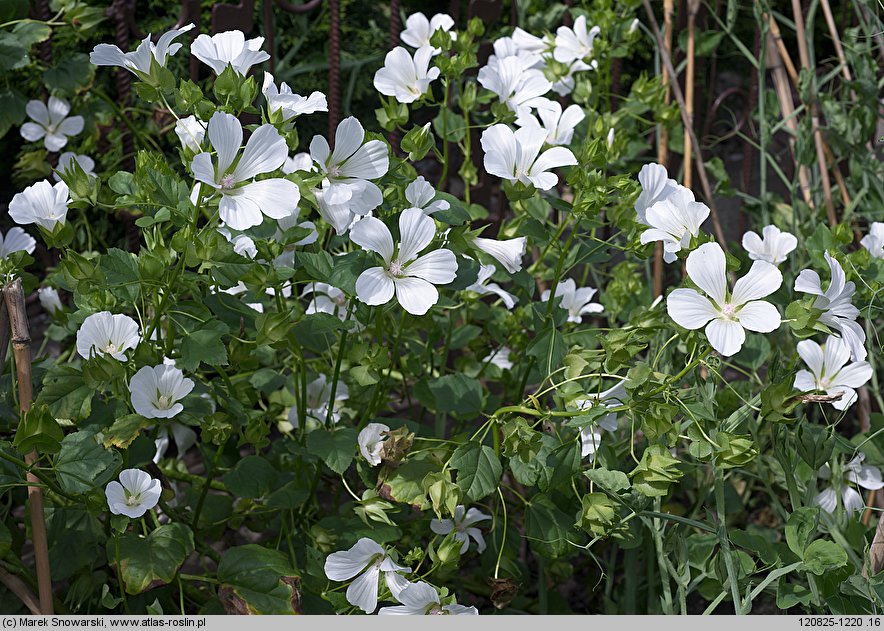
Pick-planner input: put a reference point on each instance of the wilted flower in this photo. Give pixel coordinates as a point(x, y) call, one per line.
point(725, 317)
point(674, 221)
point(368, 560)
point(420, 194)
point(291, 105)
point(135, 493)
point(104, 333)
point(578, 302)
point(829, 372)
point(66, 161)
point(515, 156)
point(410, 277)
point(51, 123)
point(405, 77)
point(229, 49)
point(139, 61)
point(874, 241)
point(773, 248)
point(16, 240)
point(348, 169)
point(558, 125)
point(855, 472)
point(191, 131)
point(835, 303)
point(419, 30)
point(422, 599)
point(463, 526)
point(576, 43)
point(49, 300)
point(514, 85)
point(41, 203)
point(244, 200)
point(656, 186)
point(507, 252)
point(483, 287)
point(318, 399)
point(371, 442)
point(156, 391)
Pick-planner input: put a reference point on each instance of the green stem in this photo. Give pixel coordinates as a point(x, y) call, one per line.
point(724, 541)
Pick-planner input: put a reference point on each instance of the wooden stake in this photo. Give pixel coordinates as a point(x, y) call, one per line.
point(690, 69)
point(14, 300)
point(663, 147)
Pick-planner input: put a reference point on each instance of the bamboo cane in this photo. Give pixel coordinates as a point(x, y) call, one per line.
point(833, 31)
point(698, 156)
point(690, 69)
point(804, 56)
point(14, 299)
point(663, 147)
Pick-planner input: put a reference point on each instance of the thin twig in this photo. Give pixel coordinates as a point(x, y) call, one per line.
point(14, 299)
point(698, 155)
point(18, 587)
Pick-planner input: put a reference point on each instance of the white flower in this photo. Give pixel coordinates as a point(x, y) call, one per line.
point(529, 42)
point(244, 200)
point(191, 131)
point(578, 302)
point(66, 161)
point(104, 333)
point(576, 43)
point(243, 244)
point(591, 435)
point(773, 248)
point(422, 599)
point(508, 47)
point(367, 559)
point(16, 240)
point(135, 493)
point(420, 194)
point(633, 27)
point(463, 526)
point(49, 299)
point(674, 221)
point(874, 241)
point(229, 48)
point(41, 203)
point(365, 196)
point(558, 125)
point(507, 252)
point(419, 30)
point(52, 123)
point(350, 163)
point(298, 162)
point(564, 84)
point(141, 59)
point(156, 391)
point(725, 317)
point(835, 303)
point(483, 287)
point(610, 138)
point(326, 299)
point(656, 186)
point(318, 395)
point(855, 472)
point(184, 438)
point(283, 100)
point(514, 156)
point(405, 77)
point(499, 358)
point(514, 85)
point(829, 372)
point(371, 442)
point(410, 277)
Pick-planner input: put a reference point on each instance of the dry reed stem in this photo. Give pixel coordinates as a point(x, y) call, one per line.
point(17, 586)
point(663, 146)
point(690, 70)
point(698, 155)
point(14, 299)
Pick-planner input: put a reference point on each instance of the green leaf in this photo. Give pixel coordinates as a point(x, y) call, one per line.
point(252, 477)
point(204, 345)
point(612, 481)
point(72, 73)
point(478, 470)
point(822, 556)
point(121, 272)
point(125, 429)
point(336, 448)
point(12, 110)
point(83, 464)
point(148, 562)
point(319, 265)
point(457, 394)
point(547, 527)
point(66, 393)
point(39, 431)
point(258, 580)
point(801, 528)
point(405, 482)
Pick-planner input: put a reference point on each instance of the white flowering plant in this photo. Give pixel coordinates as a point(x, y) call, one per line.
point(332, 378)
